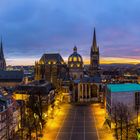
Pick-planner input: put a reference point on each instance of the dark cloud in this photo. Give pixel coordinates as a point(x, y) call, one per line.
point(32, 27)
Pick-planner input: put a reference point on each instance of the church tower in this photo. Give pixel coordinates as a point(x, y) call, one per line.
point(2, 59)
point(94, 57)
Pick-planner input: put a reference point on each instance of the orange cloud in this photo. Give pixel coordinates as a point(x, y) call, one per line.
point(110, 60)
point(103, 60)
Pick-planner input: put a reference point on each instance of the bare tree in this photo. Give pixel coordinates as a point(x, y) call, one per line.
point(33, 109)
point(137, 110)
point(127, 122)
point(121, 111)
point(115, 119)
point(22, 118)
point(122, 120)
point(36, 105)
point(29, 124)
point(11, 119)
point(9, 123)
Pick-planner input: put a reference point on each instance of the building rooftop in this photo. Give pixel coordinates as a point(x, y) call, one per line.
point(44, 87)
point(93, 79)
point(49, 57)
point(75, 56)
point(8, 76)
point(127, 87)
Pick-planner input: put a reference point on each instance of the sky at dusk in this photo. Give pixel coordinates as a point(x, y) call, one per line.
point(30, 28)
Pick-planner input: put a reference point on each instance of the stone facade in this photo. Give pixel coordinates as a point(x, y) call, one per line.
point(50, 67)
point(94, 57)
point(75, 65)
point(70, 77)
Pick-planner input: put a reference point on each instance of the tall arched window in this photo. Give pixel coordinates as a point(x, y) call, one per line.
point(70, 59)
point(74, 59)
point(79, 59)
point(94, 89)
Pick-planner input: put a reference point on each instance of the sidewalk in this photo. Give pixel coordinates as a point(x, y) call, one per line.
point(104, 132)
point(53, 125)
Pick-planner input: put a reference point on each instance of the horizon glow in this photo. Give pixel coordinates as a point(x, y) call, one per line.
point(105, 60)
point(30, 28)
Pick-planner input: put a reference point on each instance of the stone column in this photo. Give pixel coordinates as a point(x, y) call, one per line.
point(86, 92)
point(89, 92)
point(82, 92)
point(79, 91)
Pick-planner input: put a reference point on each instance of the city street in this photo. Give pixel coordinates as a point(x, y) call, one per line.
point(75, 123)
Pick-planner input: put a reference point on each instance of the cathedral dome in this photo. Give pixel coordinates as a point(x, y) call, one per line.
point(75, 60)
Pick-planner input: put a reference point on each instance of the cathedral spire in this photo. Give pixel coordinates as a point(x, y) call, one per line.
point(2, 60)
point(94, 56)
point(94, 43)
point(1, 50)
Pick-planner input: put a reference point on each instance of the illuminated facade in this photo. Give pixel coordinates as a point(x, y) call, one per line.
point(75, 65)
point(50, 67)
point(94, 57)
point(87, 89)
point(70, 77)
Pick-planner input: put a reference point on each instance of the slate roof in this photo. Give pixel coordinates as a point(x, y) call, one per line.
point(75, 54)
point(52, 57)
point(94, 79)
point(11, 76)
point(44, 88)
point(114, 73)
point(76, 81)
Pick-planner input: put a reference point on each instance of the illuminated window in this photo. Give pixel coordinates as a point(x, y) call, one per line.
point(74, 58)
point(54, 62)
point(78, 65)
point(70, 59)
point(49, 62)
point(40, 62)
point(71, 65)
point(79, 59)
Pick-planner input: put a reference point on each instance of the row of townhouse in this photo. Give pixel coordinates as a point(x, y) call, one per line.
point(8, 117)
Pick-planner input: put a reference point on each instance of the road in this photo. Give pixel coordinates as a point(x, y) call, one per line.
point(78, 124)
point(74, 123)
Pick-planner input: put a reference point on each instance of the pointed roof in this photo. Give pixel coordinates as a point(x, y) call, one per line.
point(1, 50)
point(52, 57)
point(94, 43)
